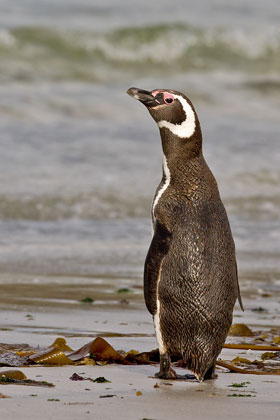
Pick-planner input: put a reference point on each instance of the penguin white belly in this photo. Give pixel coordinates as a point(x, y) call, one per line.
point(161, 346)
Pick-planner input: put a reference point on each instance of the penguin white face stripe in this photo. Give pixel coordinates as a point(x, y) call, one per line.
point(187, 127)
point(165, 185)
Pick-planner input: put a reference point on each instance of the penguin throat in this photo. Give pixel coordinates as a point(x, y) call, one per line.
point(187, 128)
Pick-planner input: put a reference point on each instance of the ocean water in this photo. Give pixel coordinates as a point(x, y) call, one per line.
point(80, 160)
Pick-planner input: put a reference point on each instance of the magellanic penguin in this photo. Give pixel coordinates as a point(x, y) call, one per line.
point(190, 274)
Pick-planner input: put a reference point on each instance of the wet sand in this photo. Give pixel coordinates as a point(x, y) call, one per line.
point(180, 400)
point(128, 326)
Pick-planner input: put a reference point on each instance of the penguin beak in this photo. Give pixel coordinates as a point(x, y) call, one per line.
point(143, 96)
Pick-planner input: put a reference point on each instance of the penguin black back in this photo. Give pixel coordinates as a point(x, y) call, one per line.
point(190, 274)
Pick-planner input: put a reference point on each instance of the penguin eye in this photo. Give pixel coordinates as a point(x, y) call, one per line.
point(168, 100)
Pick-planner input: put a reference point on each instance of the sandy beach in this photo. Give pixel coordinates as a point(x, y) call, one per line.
point(133, 392)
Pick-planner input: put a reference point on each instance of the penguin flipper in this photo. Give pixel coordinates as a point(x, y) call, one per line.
point(157, 251)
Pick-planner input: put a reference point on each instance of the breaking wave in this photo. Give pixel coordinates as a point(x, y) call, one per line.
point(79, 206)
point(30, 53)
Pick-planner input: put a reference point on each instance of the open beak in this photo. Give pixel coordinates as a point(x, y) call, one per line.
point(143, 96)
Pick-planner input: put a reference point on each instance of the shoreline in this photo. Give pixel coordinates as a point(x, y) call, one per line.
point(128, 329)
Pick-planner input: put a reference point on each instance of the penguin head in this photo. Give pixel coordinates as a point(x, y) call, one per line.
point(171, 110)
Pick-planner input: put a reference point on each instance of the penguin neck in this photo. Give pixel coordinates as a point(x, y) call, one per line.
point(184, 167)
point(181, 170)
point(181, 154)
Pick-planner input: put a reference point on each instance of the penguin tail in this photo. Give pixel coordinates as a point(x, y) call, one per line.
point(199, 377)
point(196, 366)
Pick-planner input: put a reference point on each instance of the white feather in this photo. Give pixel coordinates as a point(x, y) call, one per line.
point(161, 346)
point(165, 185)
point(187, 127)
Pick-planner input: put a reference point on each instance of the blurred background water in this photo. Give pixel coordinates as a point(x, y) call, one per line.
point(80, 160)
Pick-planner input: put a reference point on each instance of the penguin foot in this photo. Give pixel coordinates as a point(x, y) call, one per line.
point(166, 371)
point(170, 374)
